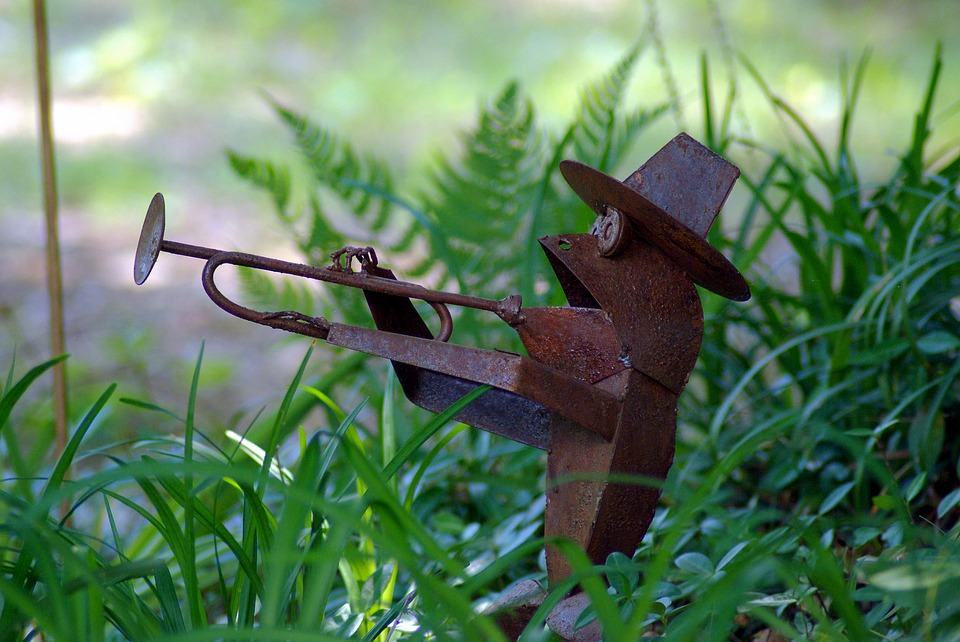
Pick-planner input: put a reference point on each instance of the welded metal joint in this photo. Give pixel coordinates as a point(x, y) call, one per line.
point(612, 231)
point(343, 258)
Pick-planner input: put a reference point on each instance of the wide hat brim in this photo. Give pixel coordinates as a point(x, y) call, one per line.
point(702, 262)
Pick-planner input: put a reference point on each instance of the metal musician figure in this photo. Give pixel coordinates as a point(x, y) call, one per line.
point(599, 386)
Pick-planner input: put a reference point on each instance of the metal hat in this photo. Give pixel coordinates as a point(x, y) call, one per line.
point(694, 183)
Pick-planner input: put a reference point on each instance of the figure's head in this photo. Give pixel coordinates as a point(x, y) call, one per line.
point(645, 252)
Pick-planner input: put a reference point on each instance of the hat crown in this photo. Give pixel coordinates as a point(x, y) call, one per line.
point(686, 180)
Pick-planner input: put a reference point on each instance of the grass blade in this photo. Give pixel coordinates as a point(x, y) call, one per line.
point(280, 421)
point(429, 430)
point(188, 563)
point(66, 457)
point(166, 592)
point(285, 558)
point(13, 394)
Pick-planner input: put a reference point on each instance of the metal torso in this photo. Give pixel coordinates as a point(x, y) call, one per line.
point(638, 290)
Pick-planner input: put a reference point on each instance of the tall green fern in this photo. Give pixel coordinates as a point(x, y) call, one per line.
point(362, 182)
point(483, 198)
point(601, 134)
point(267, 176)
point(475, 224)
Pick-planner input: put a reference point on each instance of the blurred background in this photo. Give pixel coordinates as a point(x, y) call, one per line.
point(149, 95)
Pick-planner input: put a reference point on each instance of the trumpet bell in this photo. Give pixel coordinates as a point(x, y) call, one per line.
point(151, 237)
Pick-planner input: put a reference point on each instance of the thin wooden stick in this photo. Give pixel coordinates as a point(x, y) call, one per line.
point(54, 272)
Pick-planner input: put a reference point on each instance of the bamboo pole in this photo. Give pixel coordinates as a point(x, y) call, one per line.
point(50, 206)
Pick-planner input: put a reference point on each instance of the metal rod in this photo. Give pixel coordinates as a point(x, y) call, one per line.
point(507, 308)
point(185, 249)
point(50, 203)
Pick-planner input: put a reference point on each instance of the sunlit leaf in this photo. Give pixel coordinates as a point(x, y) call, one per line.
point(695, 563)
point(938, 342)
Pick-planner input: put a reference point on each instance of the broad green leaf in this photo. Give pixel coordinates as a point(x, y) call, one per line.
point(948, 503)
point(774, 600)
point(938, 342)
point(834, 498)
point(865, 534)
point(622, 573)
point(732, 553)
point(621, 565)
point(913, 576)
point(918, 484)
point(695, 563)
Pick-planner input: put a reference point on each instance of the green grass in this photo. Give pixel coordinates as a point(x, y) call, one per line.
point(816, 488)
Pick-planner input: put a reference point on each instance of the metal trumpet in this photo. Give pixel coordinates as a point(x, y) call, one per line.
point(339, 272)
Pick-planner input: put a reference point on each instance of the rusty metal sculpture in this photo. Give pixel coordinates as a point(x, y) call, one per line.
point(599, 388)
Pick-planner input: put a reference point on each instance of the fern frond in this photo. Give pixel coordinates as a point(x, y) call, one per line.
point(270, 294)
point(475, 226)
point(359, 180)
point(629, 128)
point(275, 179)
point(599, 136)
point(595, 127)
point(483, 200)
point(322, 237)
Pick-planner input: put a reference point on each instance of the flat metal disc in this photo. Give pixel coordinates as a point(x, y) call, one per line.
point(151, 236)
point(702, 262)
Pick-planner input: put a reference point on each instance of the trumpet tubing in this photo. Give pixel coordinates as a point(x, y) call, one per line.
point(152, 243)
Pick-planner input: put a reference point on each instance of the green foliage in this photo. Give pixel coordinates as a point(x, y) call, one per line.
point(197, 541)
point(816, 429)
point(847, 389)
point(481, 213)
point(859, 344)
point(485, 195)
point(815, 491)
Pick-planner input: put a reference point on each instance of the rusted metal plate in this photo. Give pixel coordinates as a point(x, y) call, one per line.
point(686, 180)
point(151, 236)
point(592, 408)
point(498, 411)
point(605, 516)
point(571, 511)
point(579, 341)
point(644, 447)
